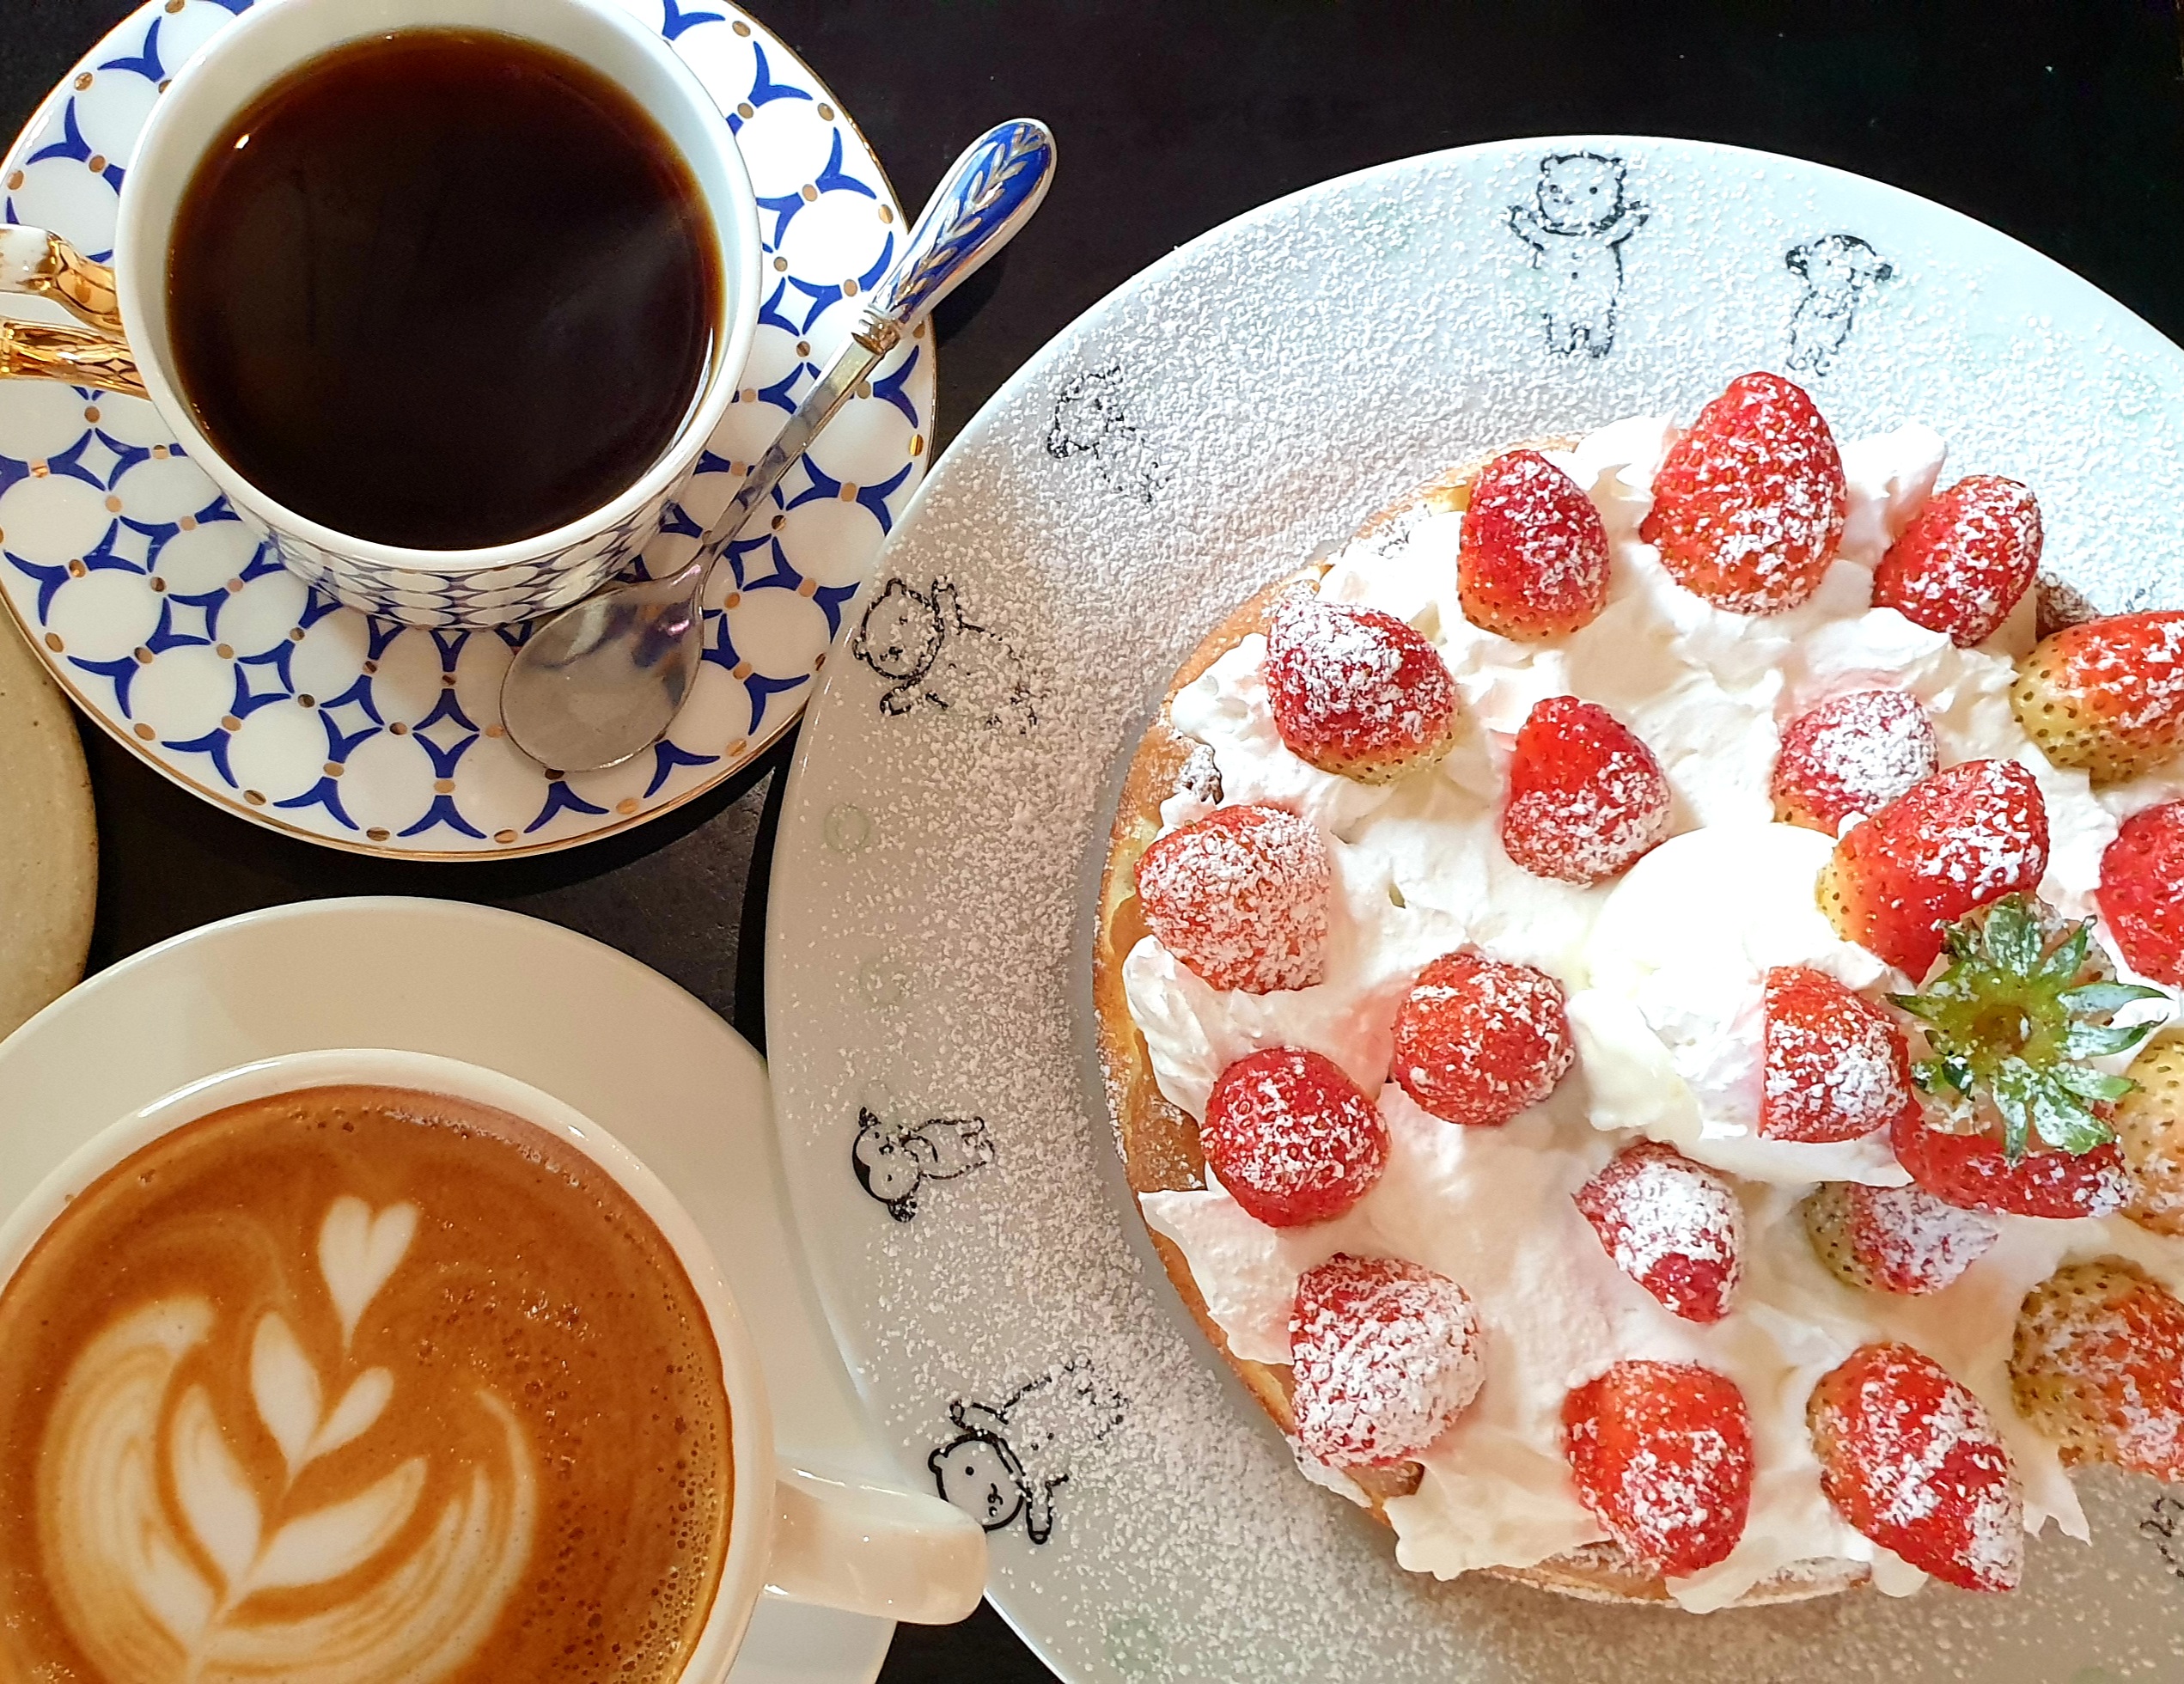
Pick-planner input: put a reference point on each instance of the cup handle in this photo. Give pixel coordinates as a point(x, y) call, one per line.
point(843, 1542)
point(39, 265)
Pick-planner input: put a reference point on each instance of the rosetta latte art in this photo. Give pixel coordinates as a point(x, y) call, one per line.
point(173, 1560)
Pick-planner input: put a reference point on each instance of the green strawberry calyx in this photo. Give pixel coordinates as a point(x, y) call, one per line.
point(2027, 999)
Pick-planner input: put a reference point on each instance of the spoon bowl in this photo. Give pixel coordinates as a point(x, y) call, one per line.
point(603, 680)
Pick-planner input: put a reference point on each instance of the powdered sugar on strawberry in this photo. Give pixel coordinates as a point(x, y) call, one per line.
point(1386, 1353)
point(1850, 757)
point(1673, 1226)
point(1353, 688)
point(1835, 1065)
point(1240, 896)
point(1915, 1242)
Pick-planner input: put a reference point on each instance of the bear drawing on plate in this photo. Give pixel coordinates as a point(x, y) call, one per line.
point(936, 657)
point(1092, 419)
point(893, 1160)
point(1840, 272)
point(1576, 225)
point(1008, 1459)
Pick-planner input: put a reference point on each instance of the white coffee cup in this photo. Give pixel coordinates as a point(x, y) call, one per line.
point(809, 1535)
point(128, 340)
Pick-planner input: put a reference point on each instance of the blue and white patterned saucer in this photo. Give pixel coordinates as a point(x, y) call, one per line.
point(171, 627)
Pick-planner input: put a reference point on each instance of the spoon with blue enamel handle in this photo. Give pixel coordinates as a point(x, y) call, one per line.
point(603, 680)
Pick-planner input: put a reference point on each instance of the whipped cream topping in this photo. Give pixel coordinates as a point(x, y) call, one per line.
point(1664, 969)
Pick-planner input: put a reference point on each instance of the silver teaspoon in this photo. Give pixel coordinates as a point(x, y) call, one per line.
point(603, 679)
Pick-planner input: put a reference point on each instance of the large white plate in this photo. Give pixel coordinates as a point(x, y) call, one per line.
point(559, 1011)
point(1193, 437)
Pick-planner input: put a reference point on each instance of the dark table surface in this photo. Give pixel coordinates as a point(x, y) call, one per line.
point(2062, 123)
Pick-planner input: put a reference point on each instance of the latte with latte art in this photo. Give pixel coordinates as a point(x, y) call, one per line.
point(357, 1385)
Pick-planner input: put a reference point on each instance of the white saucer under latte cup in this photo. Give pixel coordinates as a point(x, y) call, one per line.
point(127, 342)
point(219, 1513)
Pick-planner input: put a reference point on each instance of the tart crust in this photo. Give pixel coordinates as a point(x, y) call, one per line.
point(1160, 1144)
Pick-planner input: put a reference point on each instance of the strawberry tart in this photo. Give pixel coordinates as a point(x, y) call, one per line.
point(1637, 1000)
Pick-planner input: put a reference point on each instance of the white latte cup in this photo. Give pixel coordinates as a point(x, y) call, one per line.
point(809, 1535)
point(126, 347)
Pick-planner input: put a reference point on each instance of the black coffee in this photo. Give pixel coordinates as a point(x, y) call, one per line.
point(443, 289)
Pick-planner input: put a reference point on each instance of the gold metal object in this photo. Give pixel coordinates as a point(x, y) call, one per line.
point(39, 265)
point(40, 351)
point(82, 287)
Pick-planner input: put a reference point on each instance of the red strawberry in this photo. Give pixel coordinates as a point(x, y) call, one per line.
point(1240, 896)
point(2108, 695)
point(1748, 506)
point(2097, 1365)
point(1354, 691)
point(1834, 1067)
point(1661, 1452)
point(1973, 1171)
point(2142, 892)
point(1586, 797)
point(1293, 1138)
point(1533, 560)
point(1909, 1458)
point(1964, 837)
point(1386, 1355)
point(1965, 559)
point(1673, 1226)
point(1854, 754)
point(1899, 1240)
point(1477, 1041)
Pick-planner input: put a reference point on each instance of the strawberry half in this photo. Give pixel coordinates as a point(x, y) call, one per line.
point(2142, 892)
point(2011, 1023)
point(1748, 506)
point(1673, 1226)
point(2108, 695)
point(1965, 559)
point(1586, 797)
point(1834, 1067)
point(1853, 755)
point(1385, 1355)
point(1661, 1452)
point(1354, 691)
point(1241, 897)
point(1533, 559)
point(2097, 1365)
point(1974, 1173)
point(1964, 837)
point(1901, 1240)
point(1911, 1459)
point(1292, 1137)
point(1477, 1041)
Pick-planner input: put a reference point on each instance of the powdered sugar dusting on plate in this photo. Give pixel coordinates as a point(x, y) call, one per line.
point(1291, 374)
